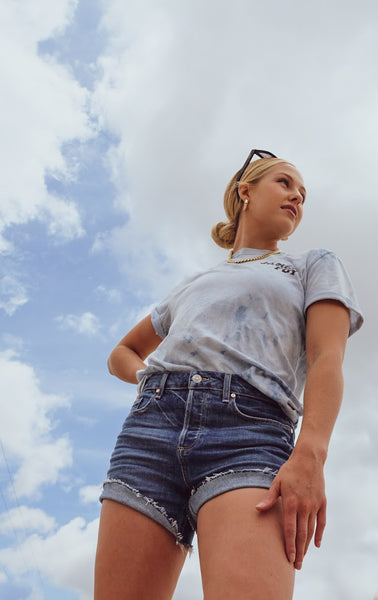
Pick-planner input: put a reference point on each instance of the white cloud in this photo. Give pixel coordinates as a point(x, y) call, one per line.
point(26, 428)
point(39, 17)
point(85, 324)
point(26, 519)
point(63, 219)
point(13, 294)
point(66, 557)
point(90, 494)
point(41, 108)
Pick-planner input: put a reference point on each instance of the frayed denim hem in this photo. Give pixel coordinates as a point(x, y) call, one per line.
point(120, 491)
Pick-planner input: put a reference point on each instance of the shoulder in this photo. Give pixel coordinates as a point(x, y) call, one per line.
point(310, 258)
point(318, 267)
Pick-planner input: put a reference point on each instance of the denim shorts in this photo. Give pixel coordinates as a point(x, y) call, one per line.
point(191, 436)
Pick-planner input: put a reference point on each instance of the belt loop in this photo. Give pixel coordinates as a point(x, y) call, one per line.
point(161, 386)
point(226, 387)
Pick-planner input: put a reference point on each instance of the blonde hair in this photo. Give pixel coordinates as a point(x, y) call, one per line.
point(224, 233)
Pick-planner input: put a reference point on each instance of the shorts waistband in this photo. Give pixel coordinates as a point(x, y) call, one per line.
point(227, 382)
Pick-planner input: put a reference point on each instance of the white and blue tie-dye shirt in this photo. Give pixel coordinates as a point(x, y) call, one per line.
point(249, 319)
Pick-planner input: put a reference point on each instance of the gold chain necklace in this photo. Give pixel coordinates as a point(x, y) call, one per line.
point(245, 260)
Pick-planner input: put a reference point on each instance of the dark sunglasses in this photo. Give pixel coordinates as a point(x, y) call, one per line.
point(260, 153)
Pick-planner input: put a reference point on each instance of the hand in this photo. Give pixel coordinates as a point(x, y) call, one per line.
point(300, 484)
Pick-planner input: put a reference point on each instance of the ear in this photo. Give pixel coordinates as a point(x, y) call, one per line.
point(244, 191)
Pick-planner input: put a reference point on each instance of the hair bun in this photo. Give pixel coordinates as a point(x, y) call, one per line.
point(224, 234)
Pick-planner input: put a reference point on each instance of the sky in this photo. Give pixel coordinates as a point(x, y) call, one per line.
point(121, 124)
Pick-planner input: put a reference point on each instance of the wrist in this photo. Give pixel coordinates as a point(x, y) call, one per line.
point(311, 448)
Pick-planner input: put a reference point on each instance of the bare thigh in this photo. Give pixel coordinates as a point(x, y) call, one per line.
point(137, 559)
point(242, 551)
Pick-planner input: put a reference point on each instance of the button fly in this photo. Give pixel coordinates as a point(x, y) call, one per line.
point(196, 378)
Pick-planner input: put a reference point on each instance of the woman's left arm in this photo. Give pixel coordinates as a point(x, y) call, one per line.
point(300, 481)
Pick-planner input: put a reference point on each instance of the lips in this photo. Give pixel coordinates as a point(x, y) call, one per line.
point(290, 207)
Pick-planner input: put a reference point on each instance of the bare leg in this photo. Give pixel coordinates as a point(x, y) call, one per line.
point(137, 559)
point(241, 551)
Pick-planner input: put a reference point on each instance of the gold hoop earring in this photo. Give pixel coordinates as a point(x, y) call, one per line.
point(284, 239)
point(246, 201)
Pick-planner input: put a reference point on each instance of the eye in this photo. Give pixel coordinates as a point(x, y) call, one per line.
point(284, 180)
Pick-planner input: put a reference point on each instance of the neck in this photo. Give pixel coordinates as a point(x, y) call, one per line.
point(245, 238)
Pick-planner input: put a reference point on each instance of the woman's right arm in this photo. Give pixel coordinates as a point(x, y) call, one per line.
point(128, 356)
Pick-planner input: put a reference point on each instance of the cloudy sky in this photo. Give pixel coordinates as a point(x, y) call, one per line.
point(121, 123)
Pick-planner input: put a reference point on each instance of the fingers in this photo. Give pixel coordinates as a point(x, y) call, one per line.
point(290, 530)
point(320, 525)
point(303, 539)
point(310, 531)
point(270, 499)
point(303, 510)
point(299, 526)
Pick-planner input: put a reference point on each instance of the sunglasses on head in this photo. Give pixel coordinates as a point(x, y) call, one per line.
point(260, 153)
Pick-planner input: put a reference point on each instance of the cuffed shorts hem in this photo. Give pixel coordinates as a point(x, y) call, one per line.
point(219, 483)
point(121, 492)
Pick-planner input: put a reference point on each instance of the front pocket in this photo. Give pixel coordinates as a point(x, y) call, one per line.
point(258, 411)
point(142, 402)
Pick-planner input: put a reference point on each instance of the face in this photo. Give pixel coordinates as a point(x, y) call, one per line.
point(276, 201)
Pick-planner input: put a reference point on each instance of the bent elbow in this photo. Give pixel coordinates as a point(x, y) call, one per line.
point(109, 363)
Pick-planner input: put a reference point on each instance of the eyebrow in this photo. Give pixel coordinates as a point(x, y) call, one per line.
point(301, 188)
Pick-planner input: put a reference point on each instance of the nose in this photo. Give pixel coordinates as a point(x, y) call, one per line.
point(297, 198)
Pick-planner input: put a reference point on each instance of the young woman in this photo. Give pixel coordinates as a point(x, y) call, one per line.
point(208, 444)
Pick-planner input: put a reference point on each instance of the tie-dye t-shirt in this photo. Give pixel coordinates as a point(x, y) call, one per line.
point(249, 319)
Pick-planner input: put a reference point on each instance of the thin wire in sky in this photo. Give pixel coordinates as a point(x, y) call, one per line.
point(29, 565)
